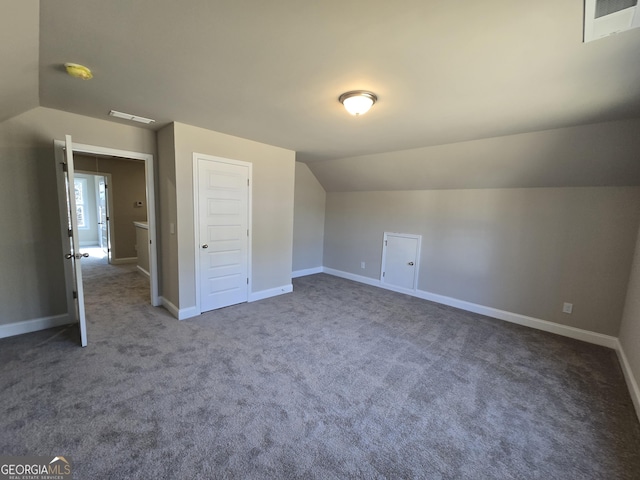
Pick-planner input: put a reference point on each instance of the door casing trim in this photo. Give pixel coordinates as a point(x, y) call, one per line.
point(150, 198)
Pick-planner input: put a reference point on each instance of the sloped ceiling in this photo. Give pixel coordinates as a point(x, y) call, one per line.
point(272, 71)
point(446, 73)
point(19, 25)
point(604, 154)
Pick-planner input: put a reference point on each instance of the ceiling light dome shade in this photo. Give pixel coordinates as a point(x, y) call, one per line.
point(358, 102)
point(78, 71)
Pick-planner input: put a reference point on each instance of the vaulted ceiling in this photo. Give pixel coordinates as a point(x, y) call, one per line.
point(444, 72)
point(19, 48)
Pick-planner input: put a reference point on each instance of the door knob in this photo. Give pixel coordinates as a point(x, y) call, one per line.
point(78, 256)
point(205, 246)
point(410, 263)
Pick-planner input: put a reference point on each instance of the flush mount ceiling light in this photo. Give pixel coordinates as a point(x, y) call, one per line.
point(358, 102)
point(128, 116)
point(78, 71)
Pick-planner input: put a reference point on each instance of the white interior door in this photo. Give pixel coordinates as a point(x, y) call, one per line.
point(223, 231)
point(71, 243)
point(400, 259)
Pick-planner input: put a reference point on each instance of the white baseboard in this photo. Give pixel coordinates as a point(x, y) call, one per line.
point(306, 271)
point(173, 310)
point(634, 390)
point(122, 261)
point(180, 314)
point(143, 271)
point(352, 276)
point(184, 313)
point(189, 312)
point(544, 325)
point(33, 325)
point(271, 292)
point(566, 331)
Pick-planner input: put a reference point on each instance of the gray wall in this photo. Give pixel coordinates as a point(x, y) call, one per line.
point(128, 185)
point(32, 275)
point(308, 220)
point(167, 199)
point(524, 251)
point(630, 328)
point(603, 154)
point(20, 52)
point(272, 219)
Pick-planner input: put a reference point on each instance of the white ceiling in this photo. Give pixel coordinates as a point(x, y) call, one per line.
point(444, 72)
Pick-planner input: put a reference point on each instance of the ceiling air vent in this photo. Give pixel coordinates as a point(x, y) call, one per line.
point(606, 17)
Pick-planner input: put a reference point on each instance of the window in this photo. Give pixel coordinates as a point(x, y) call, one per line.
point(80, 186)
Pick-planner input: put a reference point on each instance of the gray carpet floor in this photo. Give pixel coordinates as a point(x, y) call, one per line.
point(335, 380)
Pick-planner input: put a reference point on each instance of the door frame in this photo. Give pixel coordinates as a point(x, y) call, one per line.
point(196, 219)
point(384, 260)
point(150, 200)
point(110, 230)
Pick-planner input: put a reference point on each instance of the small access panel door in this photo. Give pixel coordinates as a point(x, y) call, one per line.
point(400, 260)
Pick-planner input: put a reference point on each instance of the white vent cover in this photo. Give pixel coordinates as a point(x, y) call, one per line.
point(606, 17)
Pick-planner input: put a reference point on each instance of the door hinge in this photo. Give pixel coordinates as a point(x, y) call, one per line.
point(64, 166)
point(75, 294)
point(383, 273)
point(247, 232)
point(247, 281)
point(247, 182)
point(70, 233)
point(385, 243)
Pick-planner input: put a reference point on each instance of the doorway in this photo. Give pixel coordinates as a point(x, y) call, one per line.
point(95, 211)
point(400, 260)
point(123, 185)
point(73, 275)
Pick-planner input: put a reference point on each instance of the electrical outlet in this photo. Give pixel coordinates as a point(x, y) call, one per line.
point(362, 265)
point(567, 307)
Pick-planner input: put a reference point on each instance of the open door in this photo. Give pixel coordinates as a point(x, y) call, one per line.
point(71, 244)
